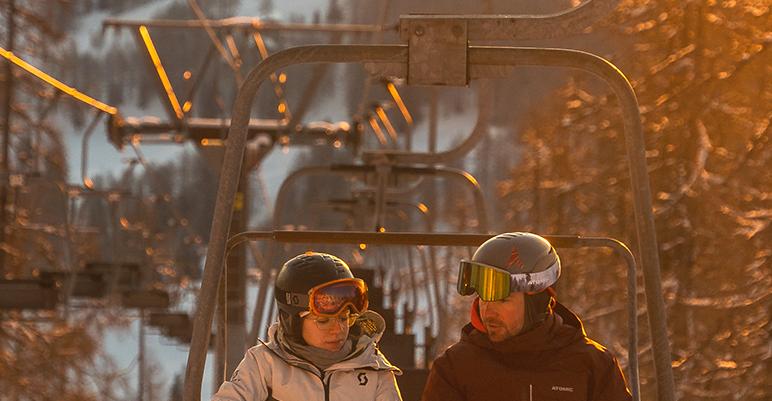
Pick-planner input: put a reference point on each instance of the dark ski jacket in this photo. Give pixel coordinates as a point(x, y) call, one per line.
point(554, 361)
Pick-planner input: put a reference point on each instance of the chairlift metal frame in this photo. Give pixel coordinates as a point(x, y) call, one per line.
point(429, 37)
point(381, 191)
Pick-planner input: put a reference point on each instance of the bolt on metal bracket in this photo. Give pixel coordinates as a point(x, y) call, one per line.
point(433, 42)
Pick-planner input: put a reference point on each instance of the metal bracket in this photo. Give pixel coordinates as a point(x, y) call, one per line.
point(433, 42)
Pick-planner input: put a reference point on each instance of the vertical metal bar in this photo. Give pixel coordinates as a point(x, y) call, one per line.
point(221, 334)
point(382, 174)
point(632, 307)
point(7, 111)
point(87, 182)
point(235, 289)
point(69, 258)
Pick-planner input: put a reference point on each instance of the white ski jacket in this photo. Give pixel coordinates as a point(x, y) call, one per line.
point(267, 372)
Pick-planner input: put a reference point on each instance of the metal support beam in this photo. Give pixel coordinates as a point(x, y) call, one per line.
point(247, 23)
point(209, 131)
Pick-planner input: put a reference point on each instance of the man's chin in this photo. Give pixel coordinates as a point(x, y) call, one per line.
point(496, 335)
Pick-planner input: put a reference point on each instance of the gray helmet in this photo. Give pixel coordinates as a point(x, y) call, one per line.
point(527, 255)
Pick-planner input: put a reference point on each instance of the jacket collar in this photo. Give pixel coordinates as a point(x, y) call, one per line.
point(365, 334)
point(561, 328)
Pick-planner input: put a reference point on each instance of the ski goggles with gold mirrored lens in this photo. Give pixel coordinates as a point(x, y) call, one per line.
point(494, 284)
point(331, 298)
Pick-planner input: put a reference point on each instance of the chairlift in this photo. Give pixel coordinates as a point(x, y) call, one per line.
point(176, 325)
point(97, 279)
point(446, 38)
point(145, 299)
point(414, 377)
point(28, 294)
point(381, 174)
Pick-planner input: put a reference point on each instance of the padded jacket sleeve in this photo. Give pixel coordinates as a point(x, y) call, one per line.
point(387, 387)
point(610, 383)
point(248, 382)
point(441, 384)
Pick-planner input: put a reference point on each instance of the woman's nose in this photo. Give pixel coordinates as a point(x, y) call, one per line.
point(336, 326)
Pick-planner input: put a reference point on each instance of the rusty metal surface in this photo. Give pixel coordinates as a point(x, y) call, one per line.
point(433, 41)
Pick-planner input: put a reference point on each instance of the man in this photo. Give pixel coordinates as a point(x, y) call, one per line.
point(521, 345)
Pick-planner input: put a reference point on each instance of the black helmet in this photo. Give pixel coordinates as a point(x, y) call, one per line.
point(298, 276)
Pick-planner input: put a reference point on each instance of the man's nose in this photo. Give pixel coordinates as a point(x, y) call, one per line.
point(487, 308)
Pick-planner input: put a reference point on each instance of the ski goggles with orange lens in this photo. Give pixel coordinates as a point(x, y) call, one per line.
point(331, 298)
point(494, 284)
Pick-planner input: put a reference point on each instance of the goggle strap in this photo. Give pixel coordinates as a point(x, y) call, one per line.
point(535, 282)
point(296, 299)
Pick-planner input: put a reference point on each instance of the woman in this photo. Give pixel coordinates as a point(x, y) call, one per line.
point(324, 345)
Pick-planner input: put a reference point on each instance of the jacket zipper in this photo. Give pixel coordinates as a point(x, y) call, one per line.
point(326, 386)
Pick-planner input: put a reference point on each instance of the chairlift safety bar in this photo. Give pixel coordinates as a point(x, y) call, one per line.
point(463, 239)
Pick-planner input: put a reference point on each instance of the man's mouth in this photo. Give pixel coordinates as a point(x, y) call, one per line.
point(494, 324)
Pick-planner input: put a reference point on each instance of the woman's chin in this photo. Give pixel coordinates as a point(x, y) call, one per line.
point(333, 345)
